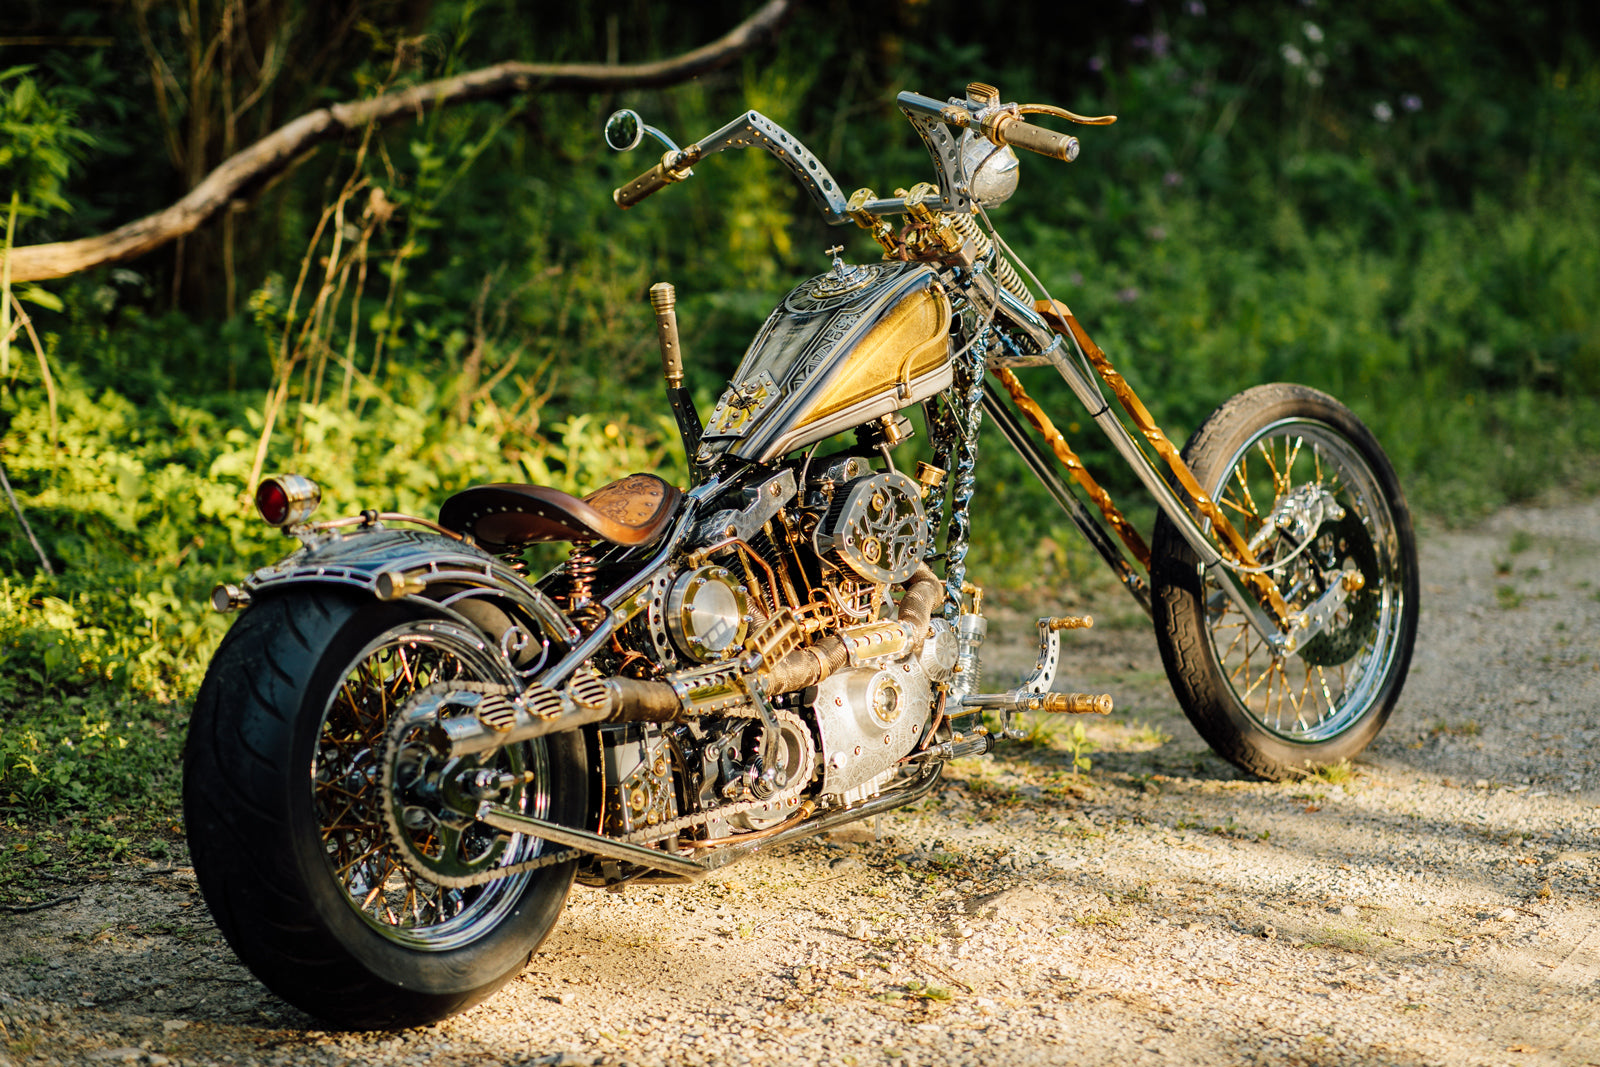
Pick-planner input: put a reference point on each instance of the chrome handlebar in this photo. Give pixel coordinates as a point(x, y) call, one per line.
point(933, 119)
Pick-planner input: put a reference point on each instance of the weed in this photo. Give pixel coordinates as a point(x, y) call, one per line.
point(1340, 773)
point(926, 991)
point(1521, 541)
point(1508, 597)
point(1143, 733)
point(1077, 744)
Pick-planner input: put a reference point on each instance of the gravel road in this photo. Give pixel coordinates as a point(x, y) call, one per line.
point(1440, 905)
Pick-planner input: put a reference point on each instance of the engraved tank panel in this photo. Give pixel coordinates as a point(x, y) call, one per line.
point(844, 347)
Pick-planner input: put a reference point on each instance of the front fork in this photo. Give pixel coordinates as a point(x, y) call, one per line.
point(1247, 588)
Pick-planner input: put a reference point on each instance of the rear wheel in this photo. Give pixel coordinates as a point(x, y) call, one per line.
point(297, 843)
point(1305, 482)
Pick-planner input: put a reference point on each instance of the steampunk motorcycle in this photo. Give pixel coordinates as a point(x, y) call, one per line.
point(407, 748)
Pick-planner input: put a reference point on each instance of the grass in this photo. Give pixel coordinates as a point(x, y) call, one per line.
point(88, 780)
point(1341, 773)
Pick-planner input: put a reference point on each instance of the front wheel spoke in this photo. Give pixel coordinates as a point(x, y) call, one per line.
point(1291, 453)
point(1327, 694)
point(1263, 676)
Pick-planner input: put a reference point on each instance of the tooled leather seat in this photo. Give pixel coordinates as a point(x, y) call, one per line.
point(633, 511)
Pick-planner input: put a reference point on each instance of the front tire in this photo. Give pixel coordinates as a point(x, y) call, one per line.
point(1282, 716)
point(284, 807)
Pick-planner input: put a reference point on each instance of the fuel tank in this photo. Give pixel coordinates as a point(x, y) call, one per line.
point(844, 347)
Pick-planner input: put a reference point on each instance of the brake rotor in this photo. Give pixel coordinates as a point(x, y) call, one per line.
point(1348, 543)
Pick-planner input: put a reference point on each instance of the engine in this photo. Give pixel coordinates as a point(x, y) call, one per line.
point(797, 633)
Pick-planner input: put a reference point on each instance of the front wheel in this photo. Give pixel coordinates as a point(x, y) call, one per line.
point(293, 828)
point(1305, 482)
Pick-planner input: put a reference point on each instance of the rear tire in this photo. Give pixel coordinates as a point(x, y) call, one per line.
point(282, 798)
point(1281, 717)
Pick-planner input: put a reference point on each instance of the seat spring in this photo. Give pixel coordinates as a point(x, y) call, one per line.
point(580, 568)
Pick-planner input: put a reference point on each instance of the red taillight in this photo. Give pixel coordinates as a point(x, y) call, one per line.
point(287, 499)
point(272, 502)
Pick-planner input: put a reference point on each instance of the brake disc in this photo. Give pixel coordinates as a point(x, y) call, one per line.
point(1347, 539)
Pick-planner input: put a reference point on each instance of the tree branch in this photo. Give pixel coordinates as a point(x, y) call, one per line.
point(276, 151)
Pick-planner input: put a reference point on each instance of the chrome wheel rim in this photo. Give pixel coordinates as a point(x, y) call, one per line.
point(348, 800)
point(1292, 696)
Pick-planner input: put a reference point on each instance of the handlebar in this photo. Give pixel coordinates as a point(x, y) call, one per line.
point(674, 167)
point(933, 119)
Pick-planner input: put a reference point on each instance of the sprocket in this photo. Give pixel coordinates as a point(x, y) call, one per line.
point(430, 800)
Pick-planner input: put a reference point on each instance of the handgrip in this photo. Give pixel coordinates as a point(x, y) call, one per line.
point(1021, 134)
point(652, 180)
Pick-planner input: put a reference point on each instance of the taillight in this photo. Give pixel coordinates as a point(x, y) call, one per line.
point(287, 499)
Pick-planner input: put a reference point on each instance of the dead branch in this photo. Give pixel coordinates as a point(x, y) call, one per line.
point(276, 151)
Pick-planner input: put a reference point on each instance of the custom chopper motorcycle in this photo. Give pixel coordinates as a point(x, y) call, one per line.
point(408, 748)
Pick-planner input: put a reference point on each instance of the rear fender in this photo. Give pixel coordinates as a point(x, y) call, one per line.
point(458, 580)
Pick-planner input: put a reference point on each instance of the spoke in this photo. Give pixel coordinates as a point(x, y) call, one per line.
point(374, 850)
point(1291, 453)
point(1242, 473)
point(1327, 695)
point(1263, 676)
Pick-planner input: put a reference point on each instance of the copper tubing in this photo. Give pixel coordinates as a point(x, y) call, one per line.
point(1069, 459)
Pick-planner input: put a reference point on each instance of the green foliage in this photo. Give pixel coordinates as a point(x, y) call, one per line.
point(39, 143)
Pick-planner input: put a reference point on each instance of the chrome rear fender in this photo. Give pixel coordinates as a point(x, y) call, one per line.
point(454, 578)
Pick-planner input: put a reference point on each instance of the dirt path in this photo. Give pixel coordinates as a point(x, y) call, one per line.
point(1440, 907)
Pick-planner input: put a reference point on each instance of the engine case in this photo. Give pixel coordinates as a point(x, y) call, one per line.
point(870, 718)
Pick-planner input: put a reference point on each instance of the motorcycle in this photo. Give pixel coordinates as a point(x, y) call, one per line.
point(407, 748)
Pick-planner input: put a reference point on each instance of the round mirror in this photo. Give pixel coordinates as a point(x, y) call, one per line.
point(624, 130)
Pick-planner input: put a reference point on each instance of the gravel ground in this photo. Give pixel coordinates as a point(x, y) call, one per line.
point(1440, 905)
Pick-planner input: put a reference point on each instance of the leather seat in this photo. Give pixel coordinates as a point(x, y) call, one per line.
point(633, 511)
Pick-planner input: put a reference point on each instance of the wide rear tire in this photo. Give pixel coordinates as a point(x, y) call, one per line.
point(1283, 716)
point(283, 801)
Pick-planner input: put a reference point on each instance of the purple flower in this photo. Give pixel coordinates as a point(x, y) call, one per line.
point(1156, 233)
point(1128, 295)
point(1195, 7)
point(1140, 42)
point(1411, 102)
point(1096, 64)
point(1075, 279)
point(1160, 44)
point(1172, 179)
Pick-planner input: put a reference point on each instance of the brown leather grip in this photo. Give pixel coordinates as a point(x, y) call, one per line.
point(1038, 139)
point(652, 180)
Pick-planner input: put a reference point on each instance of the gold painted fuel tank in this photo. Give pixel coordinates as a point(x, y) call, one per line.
point(844, 347)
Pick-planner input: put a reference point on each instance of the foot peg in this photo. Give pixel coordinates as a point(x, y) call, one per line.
point(1048, 703)
point(1034, 693)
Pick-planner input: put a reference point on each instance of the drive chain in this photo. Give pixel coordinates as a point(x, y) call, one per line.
point(426, 702)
